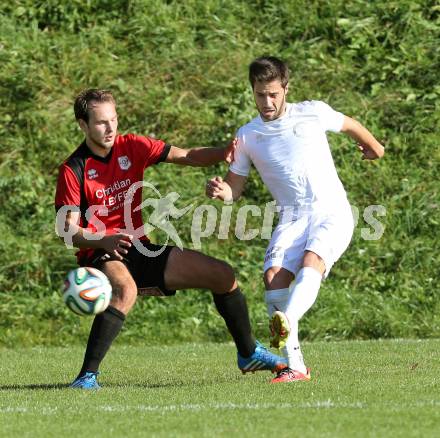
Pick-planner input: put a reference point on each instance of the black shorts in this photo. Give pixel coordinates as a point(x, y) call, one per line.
point(147, 272)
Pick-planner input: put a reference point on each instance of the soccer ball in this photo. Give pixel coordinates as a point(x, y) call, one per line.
point(87, 291)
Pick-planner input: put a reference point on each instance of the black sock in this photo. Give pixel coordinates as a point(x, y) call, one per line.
point(233, 308)
point(105, 328)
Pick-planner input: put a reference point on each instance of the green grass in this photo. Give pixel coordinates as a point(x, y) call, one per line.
point(358, 389)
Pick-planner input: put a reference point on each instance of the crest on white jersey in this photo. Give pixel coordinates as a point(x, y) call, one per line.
point(124, 162)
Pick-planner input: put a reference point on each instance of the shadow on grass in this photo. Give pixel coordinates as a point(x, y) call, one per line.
point(34, 386)
point(45, 386)
point(141, 385)
point(49, 386)
point(147, 385)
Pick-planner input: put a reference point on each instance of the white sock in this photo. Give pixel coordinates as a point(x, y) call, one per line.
point(303, 294)
point(276, 300)
point(292, 350)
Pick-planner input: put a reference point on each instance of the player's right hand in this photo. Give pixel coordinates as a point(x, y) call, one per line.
point(216, 188)
point(117, 244)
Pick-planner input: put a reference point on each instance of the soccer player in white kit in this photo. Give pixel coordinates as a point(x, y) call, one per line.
point(287, 144)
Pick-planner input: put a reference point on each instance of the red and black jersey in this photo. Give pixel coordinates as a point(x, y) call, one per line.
point(99, 185)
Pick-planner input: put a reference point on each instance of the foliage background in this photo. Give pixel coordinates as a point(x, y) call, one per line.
point(179, 71)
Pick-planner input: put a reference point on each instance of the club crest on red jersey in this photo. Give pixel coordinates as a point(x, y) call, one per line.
point(124, 162)
point(92, 174)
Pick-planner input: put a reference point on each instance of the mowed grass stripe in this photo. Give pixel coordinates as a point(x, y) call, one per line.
point(324, 404)
point(371, 388)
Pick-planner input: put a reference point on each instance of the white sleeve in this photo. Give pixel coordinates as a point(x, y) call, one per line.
point(242, 163)
point(329, 119)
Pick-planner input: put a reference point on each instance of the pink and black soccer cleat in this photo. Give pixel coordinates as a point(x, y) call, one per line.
point(288, 375)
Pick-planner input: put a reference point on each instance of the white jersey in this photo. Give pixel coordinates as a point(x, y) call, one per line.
point(293, 157)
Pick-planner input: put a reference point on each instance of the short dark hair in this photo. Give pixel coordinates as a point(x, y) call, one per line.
point(82, 102)
point(268, 69)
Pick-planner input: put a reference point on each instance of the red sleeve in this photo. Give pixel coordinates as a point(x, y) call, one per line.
point(153, 151)
point(68, 189)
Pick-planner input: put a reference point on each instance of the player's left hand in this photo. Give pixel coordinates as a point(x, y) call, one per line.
point(230, 151)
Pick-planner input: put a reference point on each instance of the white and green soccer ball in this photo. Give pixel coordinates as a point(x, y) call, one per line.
point(87, 291)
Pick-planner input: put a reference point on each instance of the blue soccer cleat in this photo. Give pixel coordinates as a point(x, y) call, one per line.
point(261, 360)
point(86, 381)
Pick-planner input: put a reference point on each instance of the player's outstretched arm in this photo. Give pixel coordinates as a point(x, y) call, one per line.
point(368, 145)
point(228, 189)
point(201, 157)
point(71, 233)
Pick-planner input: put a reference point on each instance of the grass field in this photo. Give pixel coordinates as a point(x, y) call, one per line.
point(358, 389)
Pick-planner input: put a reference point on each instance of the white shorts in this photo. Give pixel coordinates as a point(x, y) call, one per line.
point(327, 235)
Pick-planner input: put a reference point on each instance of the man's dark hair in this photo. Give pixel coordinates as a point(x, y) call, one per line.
point(268, 69)
point(82, 102)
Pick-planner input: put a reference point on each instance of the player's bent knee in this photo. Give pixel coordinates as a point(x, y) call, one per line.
point(277, 277)
point(226, 271)
point(269, 275)
point(223, 277)
point(124, 298)
point(313, 260)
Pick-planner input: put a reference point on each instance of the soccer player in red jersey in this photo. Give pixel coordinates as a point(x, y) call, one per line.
point(92, 186)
